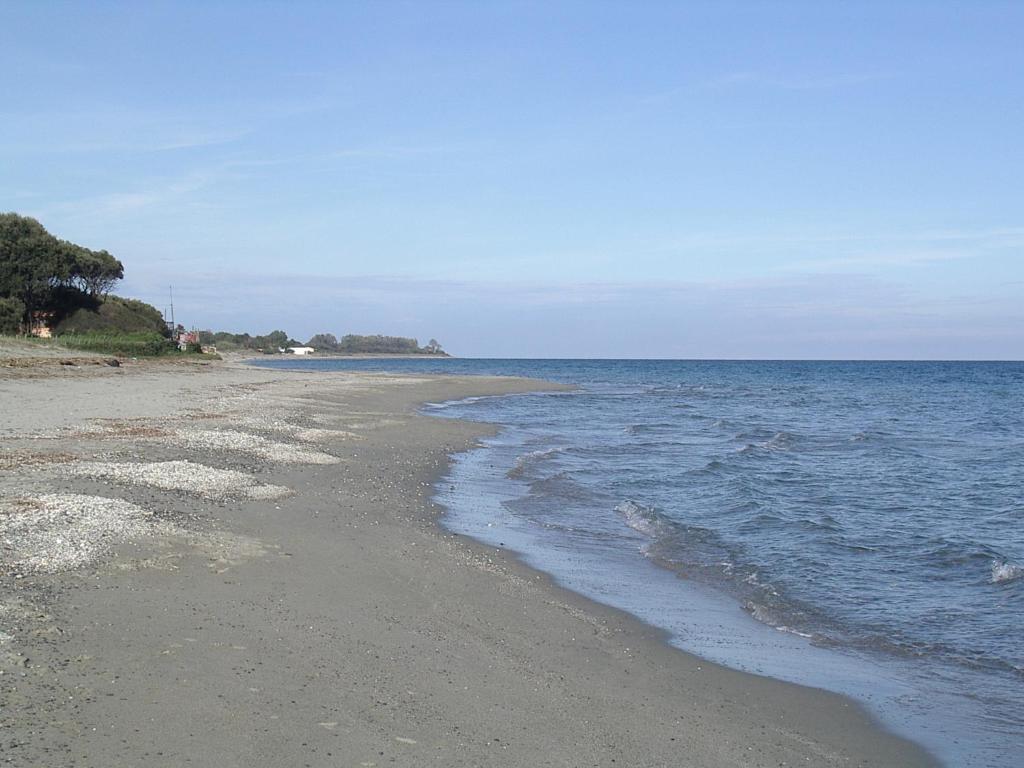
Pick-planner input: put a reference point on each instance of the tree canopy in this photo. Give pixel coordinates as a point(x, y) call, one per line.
point(325, 342)
point(375, 344)
point(272, 342)
point(42, 272)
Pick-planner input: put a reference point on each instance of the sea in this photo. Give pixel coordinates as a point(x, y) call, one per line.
point(853, 526)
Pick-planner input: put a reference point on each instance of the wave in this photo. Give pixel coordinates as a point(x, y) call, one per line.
point(870, 436)
point(561, 487)
point(1003, 572)
point(457, 402)
point(700, 554)
point(653, 427)
point(524, 461)
point(778, 442)
point(643, 519)
point(766, 615)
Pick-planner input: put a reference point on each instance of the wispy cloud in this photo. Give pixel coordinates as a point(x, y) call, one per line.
point(121, 129)
point(768, 81)
point(880, 259)
point(830, 251)
point(190, 139)
point(118, 132)
point(396, 151)
point(914, 249)
point(789, 82)
point(995, 236)
point(159, 192)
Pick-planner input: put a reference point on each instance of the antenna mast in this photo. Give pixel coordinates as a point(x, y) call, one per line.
point(174, 325)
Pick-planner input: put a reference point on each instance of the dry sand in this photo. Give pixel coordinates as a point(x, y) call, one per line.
point(338, 625)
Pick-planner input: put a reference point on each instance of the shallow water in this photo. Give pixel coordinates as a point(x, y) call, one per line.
point(855, 526)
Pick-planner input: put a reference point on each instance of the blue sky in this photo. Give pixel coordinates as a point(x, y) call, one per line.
point(752, 179)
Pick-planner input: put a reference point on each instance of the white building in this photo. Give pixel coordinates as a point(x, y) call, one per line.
point(301, 350)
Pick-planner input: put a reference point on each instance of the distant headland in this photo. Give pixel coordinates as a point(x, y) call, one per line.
point(279, 342)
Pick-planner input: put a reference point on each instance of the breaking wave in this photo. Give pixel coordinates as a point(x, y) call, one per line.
point(643, 519)
point(525, 461)
point(1003, 572)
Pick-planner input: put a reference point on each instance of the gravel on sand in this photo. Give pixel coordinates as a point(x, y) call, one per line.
point(58, 532)
point(187, 476)
point(253, 445)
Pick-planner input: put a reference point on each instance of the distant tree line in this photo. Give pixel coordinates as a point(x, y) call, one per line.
point(40, 273)
point(321, 342)
point(370, 345)
point(272, 342)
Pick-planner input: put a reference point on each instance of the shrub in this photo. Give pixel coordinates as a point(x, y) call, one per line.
point(114, 316)
point(123, 344)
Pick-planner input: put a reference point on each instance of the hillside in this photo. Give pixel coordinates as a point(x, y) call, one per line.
point(113, 315)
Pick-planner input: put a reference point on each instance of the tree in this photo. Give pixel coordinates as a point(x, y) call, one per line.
point(32, 261)
point(45, 273)
point(378, 344)
point(277, 339)
point(12, 312)
point(433, 347)
point(324, 341)
point(94, 272)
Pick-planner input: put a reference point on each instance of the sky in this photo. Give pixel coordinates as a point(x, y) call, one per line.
point(540, 179)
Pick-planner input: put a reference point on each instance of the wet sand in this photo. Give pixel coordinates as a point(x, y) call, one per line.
point(288, 599)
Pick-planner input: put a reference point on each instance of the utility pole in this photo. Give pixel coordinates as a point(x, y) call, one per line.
point(174, 325)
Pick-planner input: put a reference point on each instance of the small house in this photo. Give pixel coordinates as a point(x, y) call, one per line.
point(185, 338)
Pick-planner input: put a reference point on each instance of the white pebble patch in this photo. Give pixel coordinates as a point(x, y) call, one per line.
point(253, 445)
point(62, 531)
point(187, 476)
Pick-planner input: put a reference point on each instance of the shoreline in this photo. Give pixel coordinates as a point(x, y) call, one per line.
point(450, 652)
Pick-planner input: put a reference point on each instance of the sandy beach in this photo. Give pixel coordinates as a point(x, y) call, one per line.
point(220, 565)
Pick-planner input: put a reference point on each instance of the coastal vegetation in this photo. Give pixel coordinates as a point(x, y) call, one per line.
point(114, 315)
point(146, 344)
point(56, 288)
point(40, 273)
point(353, 344)
point(274, 341)
point(325, 343)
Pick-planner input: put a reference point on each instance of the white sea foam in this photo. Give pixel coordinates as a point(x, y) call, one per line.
point(1003, 572)
point(640, 518)
point(781, 441)
point(765, 615)
point(462, 401)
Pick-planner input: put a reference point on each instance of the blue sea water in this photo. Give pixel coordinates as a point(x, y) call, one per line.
point(857, 526)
